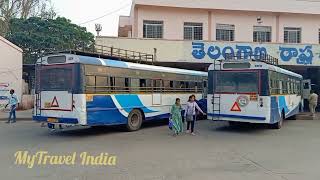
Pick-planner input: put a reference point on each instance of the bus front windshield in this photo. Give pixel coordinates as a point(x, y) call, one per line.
point(56, 78)
point(237, 82)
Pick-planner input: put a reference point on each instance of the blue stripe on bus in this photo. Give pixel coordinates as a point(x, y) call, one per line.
point(129, 102)
point(102, 111)
point(283, 104)
point(239, 117)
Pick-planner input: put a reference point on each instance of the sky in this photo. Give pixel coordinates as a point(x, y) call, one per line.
point(82, 11)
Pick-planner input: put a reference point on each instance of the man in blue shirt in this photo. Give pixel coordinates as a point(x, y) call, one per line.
point(13, 103)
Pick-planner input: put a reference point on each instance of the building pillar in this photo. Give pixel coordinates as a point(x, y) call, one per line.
point(136, 23)
point(277, 28)
point(209, 26)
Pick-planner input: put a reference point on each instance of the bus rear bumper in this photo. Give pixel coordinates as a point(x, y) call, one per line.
point(55, 120)
point(237, 118)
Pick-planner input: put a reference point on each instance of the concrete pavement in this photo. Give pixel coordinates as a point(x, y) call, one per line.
point(21, 115)
point(217, 152)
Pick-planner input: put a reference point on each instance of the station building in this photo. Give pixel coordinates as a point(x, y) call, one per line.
point(192, 34)
point(10, 70)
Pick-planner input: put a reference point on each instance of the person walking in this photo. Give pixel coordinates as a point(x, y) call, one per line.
point(313, 102)
point(177, 125)
point(190, 113)
point(13, 103)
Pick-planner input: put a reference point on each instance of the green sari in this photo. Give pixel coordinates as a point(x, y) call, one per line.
point(176, 118)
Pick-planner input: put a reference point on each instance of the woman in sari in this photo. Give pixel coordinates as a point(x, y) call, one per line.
point(177, 125)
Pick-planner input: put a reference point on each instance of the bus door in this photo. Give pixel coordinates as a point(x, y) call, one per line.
point(306, 88)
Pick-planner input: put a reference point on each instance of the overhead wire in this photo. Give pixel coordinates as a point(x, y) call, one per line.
point(107, 14)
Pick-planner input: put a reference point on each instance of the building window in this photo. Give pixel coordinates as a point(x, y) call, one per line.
point(292, 35)
point(261, 33)
point(225, 32)
point(193, 31)
point(153, 29)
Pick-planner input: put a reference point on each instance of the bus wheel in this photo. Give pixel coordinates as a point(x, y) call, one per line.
point(134, 120)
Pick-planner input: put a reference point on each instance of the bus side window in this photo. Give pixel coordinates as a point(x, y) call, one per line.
point(120, 84)
point(135, 85)
point(182, 85)
point(90, 83)
point(157, 85)
point(172, 89)
point(102, 84)
point(127, 84)
point(191, 86)
point(167, 86)
point(177, 86)
point(112, 83)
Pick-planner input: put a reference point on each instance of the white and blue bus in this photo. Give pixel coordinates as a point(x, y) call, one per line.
point(84, 90)
point(253, 92)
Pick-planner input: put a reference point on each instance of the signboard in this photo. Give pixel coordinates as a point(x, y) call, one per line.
point(4, 94)
point(288, 54)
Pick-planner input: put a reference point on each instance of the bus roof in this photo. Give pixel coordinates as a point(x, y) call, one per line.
point(71, 58)
point(254, 65)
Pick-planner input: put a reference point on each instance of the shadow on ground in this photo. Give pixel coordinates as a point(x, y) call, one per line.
point(247, 128)
point(97, 130)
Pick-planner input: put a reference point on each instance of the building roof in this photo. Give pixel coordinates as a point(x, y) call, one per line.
point(2, 39)
point(281, 6)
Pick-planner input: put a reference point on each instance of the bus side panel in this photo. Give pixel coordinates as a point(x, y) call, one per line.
point(275, 110)
point(289, 104)
point(101, 110)
point(162, 110)
point(115, 109)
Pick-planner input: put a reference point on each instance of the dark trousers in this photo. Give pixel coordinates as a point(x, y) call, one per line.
point(192, 124)
point(12, 114)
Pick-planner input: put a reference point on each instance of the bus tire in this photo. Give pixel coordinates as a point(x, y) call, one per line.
point(279, 124)
point(134, 120)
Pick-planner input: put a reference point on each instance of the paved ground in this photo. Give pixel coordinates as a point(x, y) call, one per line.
point(218, 152)
point(21, 115)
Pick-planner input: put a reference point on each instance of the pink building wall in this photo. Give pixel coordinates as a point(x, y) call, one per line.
point(173, 19)
point(244, 20)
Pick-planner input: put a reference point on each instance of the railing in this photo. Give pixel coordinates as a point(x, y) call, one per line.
point(109, 52)
point(124, 54)
point(256, 57)
point(120, 54)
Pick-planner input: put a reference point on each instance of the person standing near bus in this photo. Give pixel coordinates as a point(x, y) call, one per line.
point(176, 117)
point(313, 102)
point(13, 103)
point(190, 113)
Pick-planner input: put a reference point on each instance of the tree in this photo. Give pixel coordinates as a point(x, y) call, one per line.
point(10, 9)
point(37, 35)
